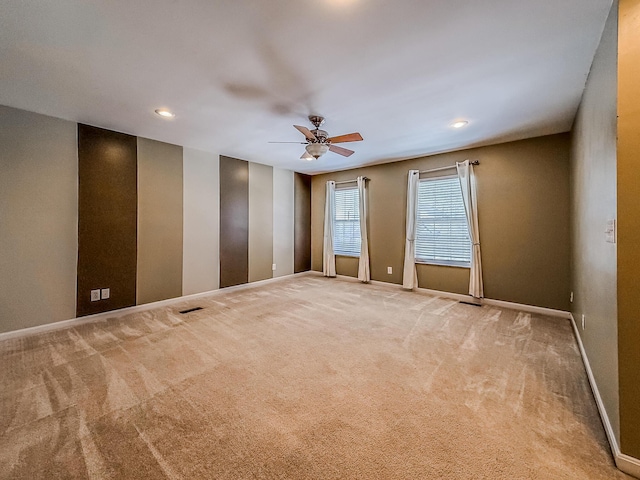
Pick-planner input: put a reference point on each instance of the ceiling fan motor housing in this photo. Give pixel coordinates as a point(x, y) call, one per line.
point(321, 135)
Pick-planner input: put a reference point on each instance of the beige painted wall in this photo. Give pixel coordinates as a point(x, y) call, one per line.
point(523, 196)
point(201, 223)
point(38, 219)
point(260, 221)
point(159, 268)
point(629, 225)
point(593, 182)
point(178, 220)
point(283, 201)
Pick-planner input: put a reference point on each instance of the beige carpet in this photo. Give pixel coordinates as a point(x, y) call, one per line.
point(304, 378)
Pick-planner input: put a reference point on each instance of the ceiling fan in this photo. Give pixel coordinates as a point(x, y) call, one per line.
point(318, 141)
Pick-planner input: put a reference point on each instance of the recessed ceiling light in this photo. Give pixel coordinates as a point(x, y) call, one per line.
point(341, 3)
point(460, 124)
point(163, 112)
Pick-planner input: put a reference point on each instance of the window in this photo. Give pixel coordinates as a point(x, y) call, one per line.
point(346, 230)
point(442, 235)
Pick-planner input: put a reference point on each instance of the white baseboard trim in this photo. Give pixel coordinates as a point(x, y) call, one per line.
point(624, 462)
point(74, 322)
point(596, 393)
point(453, 296)
point(550, 312)
point(627, 464)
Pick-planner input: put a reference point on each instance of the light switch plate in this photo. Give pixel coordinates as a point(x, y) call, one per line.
point(389, 270)
point(95, 295)
point(105, 293)
point(610, 231)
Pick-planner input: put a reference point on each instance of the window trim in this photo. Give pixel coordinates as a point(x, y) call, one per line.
point(440, 263)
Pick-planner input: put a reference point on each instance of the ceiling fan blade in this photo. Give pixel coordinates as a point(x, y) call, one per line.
point(300, 143)
point(349, 137)
point(306, 132)
point(306, 156)
point(341, 151)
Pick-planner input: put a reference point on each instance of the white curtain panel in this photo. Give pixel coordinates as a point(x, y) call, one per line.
point(470, 199)
point(364, 272)
point(328, 256)
point(410, 274)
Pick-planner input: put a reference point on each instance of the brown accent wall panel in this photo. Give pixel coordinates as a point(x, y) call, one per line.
point(628, 192)
point(302, 228)
point(107, 218)
point(234, 221)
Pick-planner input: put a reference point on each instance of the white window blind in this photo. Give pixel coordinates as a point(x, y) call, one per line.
point(346, 231)
point(442, 235)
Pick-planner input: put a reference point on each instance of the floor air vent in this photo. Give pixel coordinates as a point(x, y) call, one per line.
point(466, 303)
point(189, 310)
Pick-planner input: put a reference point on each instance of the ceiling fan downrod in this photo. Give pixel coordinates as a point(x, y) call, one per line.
point(321, 136)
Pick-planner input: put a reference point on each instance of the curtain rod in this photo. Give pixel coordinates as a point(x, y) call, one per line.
point(475, 162)
point(351, 181)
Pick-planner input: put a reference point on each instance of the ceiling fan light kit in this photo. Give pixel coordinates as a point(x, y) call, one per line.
point(318, 141)
point(316, 150)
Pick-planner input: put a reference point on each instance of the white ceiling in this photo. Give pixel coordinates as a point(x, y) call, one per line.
point(239, 73)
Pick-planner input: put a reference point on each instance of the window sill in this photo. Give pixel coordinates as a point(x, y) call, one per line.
point(442, 264)
point(346, 255)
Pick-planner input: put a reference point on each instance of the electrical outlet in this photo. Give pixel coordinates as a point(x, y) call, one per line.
point(389, 270)
point(105, 293)
point(273, 267)
point(583, 321)
point(571, 297)
point(95, 295)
